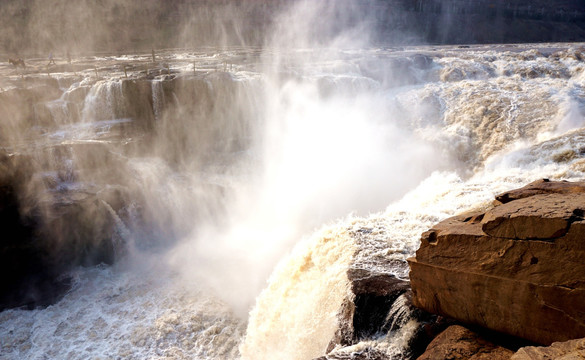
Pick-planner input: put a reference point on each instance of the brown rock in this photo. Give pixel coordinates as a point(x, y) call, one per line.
point(517, 269)
point(457, 342)
point(541, 216)
point(543, 186)
point(366, 281)
point(78, 94)
point(568, 350)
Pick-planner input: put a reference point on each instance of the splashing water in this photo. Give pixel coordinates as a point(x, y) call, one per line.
point(214, 180)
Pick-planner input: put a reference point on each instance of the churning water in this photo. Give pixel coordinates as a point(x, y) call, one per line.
point(235, 182)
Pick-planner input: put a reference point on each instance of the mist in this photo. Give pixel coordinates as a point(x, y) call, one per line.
point(275, 120)
point(241, 127)
point(38, 27)
point(219, 171)
point(320, 150)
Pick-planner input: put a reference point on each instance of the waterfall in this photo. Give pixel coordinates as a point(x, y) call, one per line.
point(158, 99)
point(105, 101)
point(203, 190)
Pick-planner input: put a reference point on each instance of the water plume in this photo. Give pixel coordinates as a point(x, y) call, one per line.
point(321, 149)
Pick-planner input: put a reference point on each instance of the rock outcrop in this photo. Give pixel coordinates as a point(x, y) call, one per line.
point(516, 268)
point(567, 350)
point(47, 234)
point(27, 277)
point(374, 289)
point(459, 343)
point(377, 317)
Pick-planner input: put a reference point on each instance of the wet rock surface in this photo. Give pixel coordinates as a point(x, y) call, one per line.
point(361, 354)
point(516, 268)
point(379, 305)
point(373, 292)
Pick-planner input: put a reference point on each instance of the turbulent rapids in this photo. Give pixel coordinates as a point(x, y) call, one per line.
point(209, 204)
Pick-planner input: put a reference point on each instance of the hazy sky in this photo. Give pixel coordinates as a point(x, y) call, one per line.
point(35, 27)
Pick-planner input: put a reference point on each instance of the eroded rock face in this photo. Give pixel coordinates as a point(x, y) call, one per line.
point(517, 268)
point(27, 276)
point(459, 343)
point(48, 234)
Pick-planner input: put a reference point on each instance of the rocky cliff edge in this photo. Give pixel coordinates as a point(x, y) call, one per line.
point(516, 268)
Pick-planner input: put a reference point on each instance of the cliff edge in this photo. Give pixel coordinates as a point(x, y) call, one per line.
point(516, 268)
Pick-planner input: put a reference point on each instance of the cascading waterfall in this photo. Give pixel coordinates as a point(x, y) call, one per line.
point(210, 182)
point(105, 101)
point(158, 99)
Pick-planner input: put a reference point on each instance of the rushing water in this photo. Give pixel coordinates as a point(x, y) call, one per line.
point(226, 163)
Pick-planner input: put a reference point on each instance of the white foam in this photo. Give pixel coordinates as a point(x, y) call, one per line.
point(121, 313)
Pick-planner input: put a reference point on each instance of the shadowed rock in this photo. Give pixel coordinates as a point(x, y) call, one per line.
point(379, 303)
point(459, 343)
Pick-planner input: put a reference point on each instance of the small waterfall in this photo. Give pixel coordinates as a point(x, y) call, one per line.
point(399, 314)
point(158, 99)
point(311, 284)
point(121, 229)
point(105, 101)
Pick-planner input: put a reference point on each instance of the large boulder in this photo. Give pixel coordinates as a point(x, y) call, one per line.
point(460, 343)
point(516, 268)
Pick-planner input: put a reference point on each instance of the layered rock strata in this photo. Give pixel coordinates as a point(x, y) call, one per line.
point(516, 268)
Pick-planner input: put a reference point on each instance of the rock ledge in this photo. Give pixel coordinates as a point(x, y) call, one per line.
point(517, 268)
